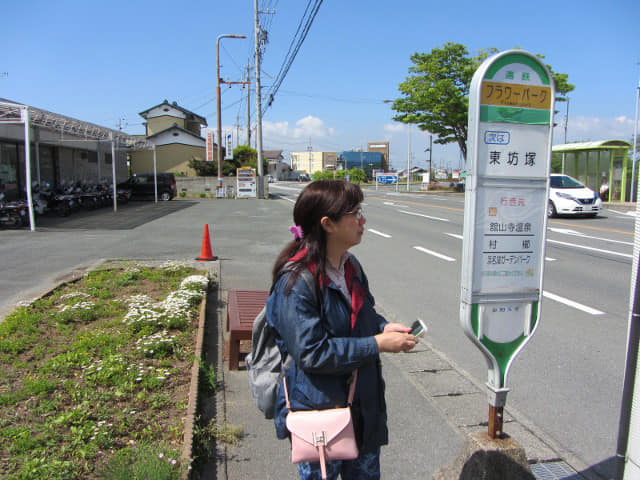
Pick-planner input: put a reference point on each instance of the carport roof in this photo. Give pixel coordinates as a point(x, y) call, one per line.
point(598, 145)
point(10, 112)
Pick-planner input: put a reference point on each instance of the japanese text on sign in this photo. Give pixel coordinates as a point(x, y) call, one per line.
point(514, 95)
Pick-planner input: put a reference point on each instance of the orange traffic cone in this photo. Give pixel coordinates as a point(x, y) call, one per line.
point(206, 255)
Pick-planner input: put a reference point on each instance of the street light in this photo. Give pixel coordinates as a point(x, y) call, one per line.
point(219, 148)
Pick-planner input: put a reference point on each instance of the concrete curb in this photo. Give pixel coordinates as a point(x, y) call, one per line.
point(189, 422)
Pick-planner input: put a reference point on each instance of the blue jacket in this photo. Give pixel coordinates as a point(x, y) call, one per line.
point(327, 343)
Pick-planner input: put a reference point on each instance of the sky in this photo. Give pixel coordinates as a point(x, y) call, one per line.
point(106, 62)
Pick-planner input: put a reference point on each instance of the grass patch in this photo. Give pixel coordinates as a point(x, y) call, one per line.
point(94, 380)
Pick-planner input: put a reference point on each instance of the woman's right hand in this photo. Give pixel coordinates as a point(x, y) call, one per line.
point(395, 342)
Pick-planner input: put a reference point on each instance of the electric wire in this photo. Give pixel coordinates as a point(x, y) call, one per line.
point(301, 33)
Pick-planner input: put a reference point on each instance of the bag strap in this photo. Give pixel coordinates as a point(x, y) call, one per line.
point(352, 389)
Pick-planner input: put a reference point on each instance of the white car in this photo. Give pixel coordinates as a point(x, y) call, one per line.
point(567, 196)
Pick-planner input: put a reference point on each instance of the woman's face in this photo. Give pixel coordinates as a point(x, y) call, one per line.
point(347, 231)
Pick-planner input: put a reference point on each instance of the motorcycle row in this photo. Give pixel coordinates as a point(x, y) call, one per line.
point(61, 200)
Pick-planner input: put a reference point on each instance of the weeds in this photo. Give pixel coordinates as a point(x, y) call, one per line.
point(88, 388)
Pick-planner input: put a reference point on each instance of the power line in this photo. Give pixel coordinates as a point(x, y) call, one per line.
point(301, 33)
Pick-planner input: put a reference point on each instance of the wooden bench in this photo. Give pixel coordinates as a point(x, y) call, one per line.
point(242, 308)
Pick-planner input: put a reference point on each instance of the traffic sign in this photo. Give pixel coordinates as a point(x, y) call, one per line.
point(510, 123)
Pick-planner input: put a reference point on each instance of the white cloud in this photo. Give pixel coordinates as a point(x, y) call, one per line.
point(394, 127)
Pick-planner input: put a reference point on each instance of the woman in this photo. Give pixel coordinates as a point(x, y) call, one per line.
point(333, 330)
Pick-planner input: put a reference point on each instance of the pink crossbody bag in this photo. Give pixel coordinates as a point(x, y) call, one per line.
point(321, 435)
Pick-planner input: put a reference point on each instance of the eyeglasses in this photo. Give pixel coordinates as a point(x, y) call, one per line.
point(358, 212)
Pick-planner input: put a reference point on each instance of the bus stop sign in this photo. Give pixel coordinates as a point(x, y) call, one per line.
point(509, 145)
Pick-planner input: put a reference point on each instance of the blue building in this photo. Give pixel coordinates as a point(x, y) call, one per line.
point(367, 161)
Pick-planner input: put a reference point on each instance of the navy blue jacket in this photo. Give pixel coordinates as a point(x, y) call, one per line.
point(327, 343)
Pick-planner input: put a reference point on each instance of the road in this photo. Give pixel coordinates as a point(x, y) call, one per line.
point(568, 380)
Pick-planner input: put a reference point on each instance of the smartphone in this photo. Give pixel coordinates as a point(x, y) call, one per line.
point(418, 329)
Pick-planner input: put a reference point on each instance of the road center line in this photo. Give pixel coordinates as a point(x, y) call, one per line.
point(379, 233)
point(571, 303)
point(584, 247)
point(435, 254)
point(423, 215)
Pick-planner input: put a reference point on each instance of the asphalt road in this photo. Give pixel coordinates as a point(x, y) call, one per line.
point(568, 379)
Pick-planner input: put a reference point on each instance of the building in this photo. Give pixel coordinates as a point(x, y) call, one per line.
point(276, 164)
point(175, 132)
point(64, 150)
point(309, 162)
point(383, 148)
point(367, 161)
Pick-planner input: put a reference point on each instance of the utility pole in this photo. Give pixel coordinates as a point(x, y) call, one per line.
point(248, 105)
point(566, 124)
point(409, 162)
point(258, 102)
point(219, 114)
point(635, 146)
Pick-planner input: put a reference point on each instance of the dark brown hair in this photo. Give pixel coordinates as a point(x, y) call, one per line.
point(323, 198)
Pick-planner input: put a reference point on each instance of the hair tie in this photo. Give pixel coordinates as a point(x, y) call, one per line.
point(297, 232)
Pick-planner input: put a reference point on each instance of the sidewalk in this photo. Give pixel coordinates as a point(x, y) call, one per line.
point(431, 404)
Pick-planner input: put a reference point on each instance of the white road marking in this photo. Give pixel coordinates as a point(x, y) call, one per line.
point(584, 247)
point(435, 254)
point(425, 216)
point(388, 203)
point(582, 235)
point(287, 199)
point(630, 213)
point(571, 303)
point(378, 233)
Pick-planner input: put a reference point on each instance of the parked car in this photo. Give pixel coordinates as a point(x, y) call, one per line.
point(142, 185)
point(567, 196)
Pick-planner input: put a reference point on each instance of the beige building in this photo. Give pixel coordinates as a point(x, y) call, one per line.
point(175, 131)
point(311, 162)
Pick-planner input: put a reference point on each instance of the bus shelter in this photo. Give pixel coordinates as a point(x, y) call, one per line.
point(604, 162)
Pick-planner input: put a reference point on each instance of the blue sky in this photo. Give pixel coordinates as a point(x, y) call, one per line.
point(106, 62)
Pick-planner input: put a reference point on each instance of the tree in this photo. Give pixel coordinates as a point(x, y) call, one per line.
point(436, 92)
point(246, 156)
point(357, 175)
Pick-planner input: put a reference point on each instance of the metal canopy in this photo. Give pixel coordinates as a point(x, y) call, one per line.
point(597, 145)
point(10, 112)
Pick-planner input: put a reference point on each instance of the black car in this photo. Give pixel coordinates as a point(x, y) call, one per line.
point(142, 185)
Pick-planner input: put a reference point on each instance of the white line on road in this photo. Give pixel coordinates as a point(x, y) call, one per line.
point(435, 254)
point(287, 199)
point(610, 252)
point(571, 303)
point(423, 215)
point(379, 233)
point(582, 235)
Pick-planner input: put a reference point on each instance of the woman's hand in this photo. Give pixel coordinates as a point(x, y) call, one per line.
point(396, 327)
point(394, 341)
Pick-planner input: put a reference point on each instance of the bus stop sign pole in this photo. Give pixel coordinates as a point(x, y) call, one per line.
point(510, 124)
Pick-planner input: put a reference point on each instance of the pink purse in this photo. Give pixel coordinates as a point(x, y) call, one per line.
point(320, 435)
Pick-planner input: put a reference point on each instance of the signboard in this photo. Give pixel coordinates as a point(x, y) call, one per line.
point(510, 123)
point(387, 178)
point(210, 147)
point(246, 182)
